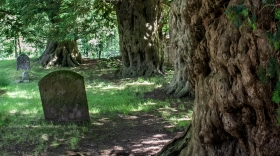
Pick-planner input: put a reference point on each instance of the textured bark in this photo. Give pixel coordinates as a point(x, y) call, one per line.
point(233, 112)
point(65, 54)
point(176, 145)
point(141, 50)
point(180, 85)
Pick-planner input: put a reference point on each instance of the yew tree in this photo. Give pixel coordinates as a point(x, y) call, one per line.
point(180, 84)
point(59, 22)
point(62, 47)
point(140, 42)
point(231, 55)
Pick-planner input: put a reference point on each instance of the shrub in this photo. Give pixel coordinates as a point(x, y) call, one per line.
point(4, 81)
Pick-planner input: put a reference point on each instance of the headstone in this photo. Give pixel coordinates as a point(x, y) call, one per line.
point(23, 62)
point(63, 97)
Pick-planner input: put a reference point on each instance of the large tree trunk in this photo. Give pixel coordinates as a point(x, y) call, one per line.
point(233, 112)
point(65, 54)
point(141, 50)
point(180, 85)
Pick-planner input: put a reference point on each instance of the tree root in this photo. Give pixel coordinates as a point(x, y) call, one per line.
point(175, 146)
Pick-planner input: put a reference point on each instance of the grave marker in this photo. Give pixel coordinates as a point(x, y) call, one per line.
point(23, 62)
point(63, 97)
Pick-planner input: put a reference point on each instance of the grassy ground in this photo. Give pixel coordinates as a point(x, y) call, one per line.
point(123, 113)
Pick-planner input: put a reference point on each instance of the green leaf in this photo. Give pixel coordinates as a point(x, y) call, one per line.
point(244, 12)
point(277, 14)
point(276, 45)
point(262, 75)
point(272, 67)
point(276, 97)
point(252, 24)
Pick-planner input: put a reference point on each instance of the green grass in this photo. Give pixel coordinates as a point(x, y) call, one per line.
point(22, 124)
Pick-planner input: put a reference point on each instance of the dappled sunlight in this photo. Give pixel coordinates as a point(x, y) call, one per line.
point(113, 87)
point(30, 111)
point(149, 145)
point(45, 137)
point(166, 111)
point(13, 111)
point(145, 83)
point(158, 139)
point(103, 86)
point(128, 117)
point(180, 119)
point(20, 94)
point(149, 26)
point(101, 121)
point(110, 87)
point(94, 110)
point(97, 123)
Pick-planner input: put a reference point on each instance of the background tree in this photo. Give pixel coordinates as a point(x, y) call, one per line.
point(11, 24)
point(231, 43)
point(140, 45)
point(180, 45)
point(62, 47)
point(60, 23)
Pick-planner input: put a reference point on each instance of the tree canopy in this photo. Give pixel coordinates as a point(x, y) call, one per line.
point(61, 19)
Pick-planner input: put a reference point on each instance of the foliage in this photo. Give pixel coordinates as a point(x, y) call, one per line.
point(164, 18)
point(6, 46)
point(271, 71)
point(273, 66)
point(274, 38)
point(276, 93)
point(56, 20)
point(59, 20)
point(4, 81)
point(238, 14)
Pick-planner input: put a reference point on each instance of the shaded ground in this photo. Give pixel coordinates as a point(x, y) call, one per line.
point(121, 135)
point(139, 135)
point(2, 92)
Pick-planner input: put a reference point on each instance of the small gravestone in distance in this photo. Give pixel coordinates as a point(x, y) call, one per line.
point(23, 62)
point(63, 97)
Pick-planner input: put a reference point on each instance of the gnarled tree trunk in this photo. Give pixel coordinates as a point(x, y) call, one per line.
point(63, 53)
point(180, 45)
point(233, 112)
point(141, 50)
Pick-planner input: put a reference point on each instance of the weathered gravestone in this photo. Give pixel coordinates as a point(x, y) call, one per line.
point(23, 62)
point(63, 97)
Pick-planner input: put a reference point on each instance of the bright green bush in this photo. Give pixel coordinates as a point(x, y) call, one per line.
point(4, 81)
